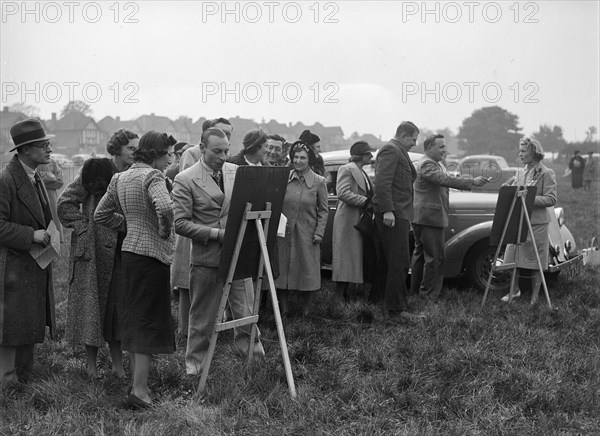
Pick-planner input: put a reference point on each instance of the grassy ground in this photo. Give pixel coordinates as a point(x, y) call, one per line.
point(504, 370)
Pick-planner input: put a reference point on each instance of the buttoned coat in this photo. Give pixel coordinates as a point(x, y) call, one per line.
point(305, 207)
point(93, 248)
point(200, 205)
point(26, 290)
point(431, 203)
point(347, 241)
point(544, 179)
point(394, 177)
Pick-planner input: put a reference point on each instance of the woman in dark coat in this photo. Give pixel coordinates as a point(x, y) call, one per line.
point(94, 267)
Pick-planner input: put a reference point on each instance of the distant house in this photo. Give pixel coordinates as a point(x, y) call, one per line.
point(7, 119)
point(145, 123)
point(183, 129)
point(196, 131)
point(273, 127)
point(76, 133)
point(240, 127)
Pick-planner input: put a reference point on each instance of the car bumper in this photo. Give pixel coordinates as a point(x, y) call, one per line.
point(569, 268)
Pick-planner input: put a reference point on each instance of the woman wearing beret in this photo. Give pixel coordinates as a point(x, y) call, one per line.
point(94, 267)
point(533, 173)
point(354, 191)
point(305, 207)
point(138, 200)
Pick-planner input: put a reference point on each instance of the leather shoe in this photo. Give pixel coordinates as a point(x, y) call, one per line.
point(134, 402)
point(505, 298)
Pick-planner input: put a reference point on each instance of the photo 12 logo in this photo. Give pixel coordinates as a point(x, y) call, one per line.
point(270, 12)
point(470, 12)
point(70, 12)
point(271, 92)
point(54, 92)
point(472, 92)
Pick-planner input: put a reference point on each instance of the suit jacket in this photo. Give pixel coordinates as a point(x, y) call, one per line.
point(544, 179)
point(394, 177)
point(431, 192)
point(201, 206)
point(137, 201)
point(26, 291)
point(189, 157)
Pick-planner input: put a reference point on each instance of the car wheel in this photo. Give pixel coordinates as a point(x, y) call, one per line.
point(479, 263)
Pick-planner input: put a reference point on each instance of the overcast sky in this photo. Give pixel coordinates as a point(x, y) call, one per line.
point(362, 65)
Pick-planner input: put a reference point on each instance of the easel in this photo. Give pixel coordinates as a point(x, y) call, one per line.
point(264, 266)
point(520, 195)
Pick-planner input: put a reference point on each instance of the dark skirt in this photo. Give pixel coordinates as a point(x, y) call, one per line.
point(111, 329)
point(147, 322)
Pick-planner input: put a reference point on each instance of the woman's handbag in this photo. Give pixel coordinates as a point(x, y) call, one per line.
point(366, 223)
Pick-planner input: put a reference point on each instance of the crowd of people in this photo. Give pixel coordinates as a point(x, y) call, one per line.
point(152, 218)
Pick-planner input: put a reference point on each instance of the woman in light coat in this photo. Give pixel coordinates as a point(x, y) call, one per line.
point(533, 173)
point(305, 207)
point(354, 190)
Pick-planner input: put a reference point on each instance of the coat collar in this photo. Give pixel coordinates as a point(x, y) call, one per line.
point(358, 175)
point(309, 177)
point(26, 191)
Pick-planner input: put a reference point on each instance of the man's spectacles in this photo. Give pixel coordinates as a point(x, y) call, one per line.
point(46, 145)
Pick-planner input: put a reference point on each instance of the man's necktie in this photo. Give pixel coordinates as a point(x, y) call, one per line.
point(218, 178)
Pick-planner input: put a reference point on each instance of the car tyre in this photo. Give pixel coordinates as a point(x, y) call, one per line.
point(478, 265)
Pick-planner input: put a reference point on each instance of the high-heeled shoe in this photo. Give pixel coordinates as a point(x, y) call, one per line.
point(506, 297)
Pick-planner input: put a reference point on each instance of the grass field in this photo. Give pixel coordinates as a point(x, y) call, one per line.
point(504, 370)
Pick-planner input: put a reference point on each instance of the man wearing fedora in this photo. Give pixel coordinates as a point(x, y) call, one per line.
point(26, 292)
point(255, 149)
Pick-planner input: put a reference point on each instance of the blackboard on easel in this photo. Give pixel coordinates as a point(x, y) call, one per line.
point(256, 185)
point(506, 197)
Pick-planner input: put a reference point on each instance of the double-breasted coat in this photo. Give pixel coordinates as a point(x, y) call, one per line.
point(91, 262)
point(305, 207)
point(352, 189)
point(26, 290)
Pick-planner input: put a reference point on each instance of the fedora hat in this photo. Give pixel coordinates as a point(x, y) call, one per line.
point(28, 131)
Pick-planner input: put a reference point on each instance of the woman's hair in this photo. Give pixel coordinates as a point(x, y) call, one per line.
point(153, 145)
point(534, 147)
point(118, 139)
point(302, 146)
point(96, 174)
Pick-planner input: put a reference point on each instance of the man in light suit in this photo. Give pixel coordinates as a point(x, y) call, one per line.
point(431, 216)
point(393, 206)
point(202, 194)
point(26, 292)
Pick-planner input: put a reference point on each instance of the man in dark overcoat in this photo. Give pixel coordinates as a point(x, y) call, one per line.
point(26, 292)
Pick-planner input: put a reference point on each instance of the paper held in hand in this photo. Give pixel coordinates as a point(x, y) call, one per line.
point(44, 255)
point(282, 225)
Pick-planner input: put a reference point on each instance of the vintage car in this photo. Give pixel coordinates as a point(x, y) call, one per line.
point(471, 216)
point(491, 166)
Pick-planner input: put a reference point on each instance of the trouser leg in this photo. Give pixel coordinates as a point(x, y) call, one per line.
point(432, 239)
point(205, 295)
point(418, 261)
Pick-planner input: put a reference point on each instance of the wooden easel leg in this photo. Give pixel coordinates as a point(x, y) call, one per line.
point(493, 267)
point(282, 342)
point(223, 303)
